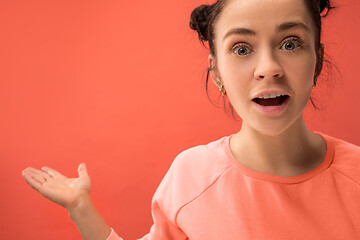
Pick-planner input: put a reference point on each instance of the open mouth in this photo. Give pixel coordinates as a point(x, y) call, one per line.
point(267, 101)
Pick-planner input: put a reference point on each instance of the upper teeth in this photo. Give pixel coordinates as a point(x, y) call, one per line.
point(272, 95)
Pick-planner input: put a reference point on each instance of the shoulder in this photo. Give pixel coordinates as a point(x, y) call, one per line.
point(346, 158)
point(203, 159)
point(190, 174)
point(342, 148)
point(201, 165)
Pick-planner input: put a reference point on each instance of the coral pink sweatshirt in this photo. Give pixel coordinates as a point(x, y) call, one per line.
point(208, 195)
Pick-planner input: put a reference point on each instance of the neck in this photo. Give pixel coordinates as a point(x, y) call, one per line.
point(292, 152)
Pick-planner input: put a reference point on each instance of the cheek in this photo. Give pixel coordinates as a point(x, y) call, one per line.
point(301, 79)
point(301, 71)
point(236, 75)
point(309, 68)
point(238, 82)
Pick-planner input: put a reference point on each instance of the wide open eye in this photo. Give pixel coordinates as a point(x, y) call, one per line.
point(291, 44)
point(241, 50)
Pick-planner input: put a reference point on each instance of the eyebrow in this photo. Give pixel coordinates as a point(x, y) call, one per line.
point(279, 28)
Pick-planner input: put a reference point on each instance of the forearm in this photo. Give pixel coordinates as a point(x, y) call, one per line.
point(88, 220)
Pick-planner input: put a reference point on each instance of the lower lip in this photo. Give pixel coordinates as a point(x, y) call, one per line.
point(272, 110)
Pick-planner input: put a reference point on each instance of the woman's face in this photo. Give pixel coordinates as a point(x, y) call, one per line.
point(265, 48)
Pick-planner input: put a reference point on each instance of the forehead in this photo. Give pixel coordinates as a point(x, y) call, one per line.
point(261, 15)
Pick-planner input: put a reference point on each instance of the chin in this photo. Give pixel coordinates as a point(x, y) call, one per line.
point(273, 127)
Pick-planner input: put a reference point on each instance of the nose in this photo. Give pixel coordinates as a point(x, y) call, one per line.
point(268, 67)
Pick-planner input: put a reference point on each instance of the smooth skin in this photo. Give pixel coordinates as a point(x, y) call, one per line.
point(275, 144)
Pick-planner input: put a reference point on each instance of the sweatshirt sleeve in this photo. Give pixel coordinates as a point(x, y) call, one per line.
point(191, 173)
point(113, 236)
point(162, 229)
point(166, 203)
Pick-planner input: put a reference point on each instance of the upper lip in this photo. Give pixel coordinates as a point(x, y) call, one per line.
point(270, 91)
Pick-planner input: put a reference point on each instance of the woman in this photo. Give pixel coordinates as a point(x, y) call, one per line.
point(274, 179)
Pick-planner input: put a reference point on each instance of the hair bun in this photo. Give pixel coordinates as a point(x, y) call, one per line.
point(325, 4)
point(199, 20)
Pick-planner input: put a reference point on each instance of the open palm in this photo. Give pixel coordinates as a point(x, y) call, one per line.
point(62, 190)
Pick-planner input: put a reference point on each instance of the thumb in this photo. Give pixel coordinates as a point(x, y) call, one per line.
point(82, 170)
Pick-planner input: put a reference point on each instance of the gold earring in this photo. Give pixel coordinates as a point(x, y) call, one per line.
point(221, 88)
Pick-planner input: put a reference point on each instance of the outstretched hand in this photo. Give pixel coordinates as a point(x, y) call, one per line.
point(64, 191)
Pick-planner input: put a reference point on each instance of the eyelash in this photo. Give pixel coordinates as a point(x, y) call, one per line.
point(299, 41)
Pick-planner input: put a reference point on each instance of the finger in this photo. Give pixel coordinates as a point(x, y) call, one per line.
point(82, 170)
point(31, 181)
point(36, 172)
point(39, 178)
point(51, 172)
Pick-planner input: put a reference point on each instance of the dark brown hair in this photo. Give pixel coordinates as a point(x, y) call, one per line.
point(204, 18)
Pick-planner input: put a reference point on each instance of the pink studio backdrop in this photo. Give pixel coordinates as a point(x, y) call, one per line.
point(120, 86)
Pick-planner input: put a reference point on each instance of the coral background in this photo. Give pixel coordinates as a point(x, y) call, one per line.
point(120, 85)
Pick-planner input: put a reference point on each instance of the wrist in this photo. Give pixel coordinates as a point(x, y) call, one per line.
point(89, 222)
point(82, 208)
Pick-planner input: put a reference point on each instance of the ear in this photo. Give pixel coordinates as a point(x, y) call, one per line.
point(215, 76)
